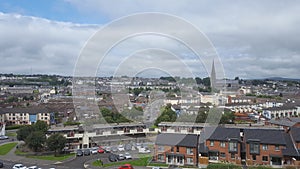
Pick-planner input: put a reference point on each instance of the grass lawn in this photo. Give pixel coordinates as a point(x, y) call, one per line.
point(11, 134)
point(143, 161)
point(5, 148)
point(18, 152)
point(223, 166)
point(52, 157)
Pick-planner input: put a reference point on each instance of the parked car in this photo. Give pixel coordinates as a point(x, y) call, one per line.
point(87, 152)
point(156, 168)
point(113, 157)
point(144, 150)
point(1, 164)
point(33, 167)
point(127, 156)
point(126, 166)
point(94, 150)
point(100, 150)
point(128, 147)
point(107, 149)
point(3, 137)
point(121, 147)
point(114, 149)
point(19, 166)
point(121, 157)
point(79, 153)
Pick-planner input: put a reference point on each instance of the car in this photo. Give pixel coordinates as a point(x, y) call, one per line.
point(1, 164)
point(114, 149)
point(94, 150)
point(33, 167)
point(126, 166)
point(128, 147)
point(3, 137)
point(19, 166)
point(100, 150)
point(121, 147)
point(79, 153)
point(87, 152)
point(121, 157)
point(113, 157)
point(127, 156)
point(144, 150)
point(156, 168)
point(107, 149)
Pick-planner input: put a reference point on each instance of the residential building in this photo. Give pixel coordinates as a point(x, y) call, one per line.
point(176, 149)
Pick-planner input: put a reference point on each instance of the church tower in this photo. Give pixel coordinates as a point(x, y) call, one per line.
point(213, 77)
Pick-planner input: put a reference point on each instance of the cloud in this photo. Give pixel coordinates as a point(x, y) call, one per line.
point(42, 45)
point(253, 38)
point(246, 33)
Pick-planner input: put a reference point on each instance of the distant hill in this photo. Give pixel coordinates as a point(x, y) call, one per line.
point(283, 79)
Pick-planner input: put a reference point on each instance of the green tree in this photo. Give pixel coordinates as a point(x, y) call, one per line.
point(168, 115)
point(201, 117)
point(24, 132)
point(41, 126)
point(206, 81)
point(56, 142)
point(36, 140)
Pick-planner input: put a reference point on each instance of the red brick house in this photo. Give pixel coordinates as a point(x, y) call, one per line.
point(224, 144)
point(176, 149)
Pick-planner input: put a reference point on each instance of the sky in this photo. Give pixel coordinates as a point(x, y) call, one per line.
point(253, 38)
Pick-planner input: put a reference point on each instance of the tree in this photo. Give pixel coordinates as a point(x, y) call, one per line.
point(24, 132)
point(168, 115)
point(41, 126)
point(201, 118)
point(36, 140)
point(206, 81)
point(56, 142)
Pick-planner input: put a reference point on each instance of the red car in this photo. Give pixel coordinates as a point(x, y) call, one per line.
point(126, 166)
point(100, 150)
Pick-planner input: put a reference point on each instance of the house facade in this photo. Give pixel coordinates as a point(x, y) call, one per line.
point(176, 149)
point(24, 116)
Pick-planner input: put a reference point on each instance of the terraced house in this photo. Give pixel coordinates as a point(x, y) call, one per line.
point(176, 149)
point(263, 146)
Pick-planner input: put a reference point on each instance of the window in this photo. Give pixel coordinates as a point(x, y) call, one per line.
point(254, 157)
point(254, 148)
point(177, 149)
point(265, 147)
point(161, 148)
point(232, 146)
point(277, 147)
point(232, 155)
point(160, 157)
point(189, 151)
point(212, 143)
point(189, 161)
point(222, 155)
point(265, 158)
point(222, 144)
point(172, 149)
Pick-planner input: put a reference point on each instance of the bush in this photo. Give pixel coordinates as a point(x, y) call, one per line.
point(14, 127)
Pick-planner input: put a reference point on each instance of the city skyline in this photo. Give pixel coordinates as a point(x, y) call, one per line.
point(254, 40)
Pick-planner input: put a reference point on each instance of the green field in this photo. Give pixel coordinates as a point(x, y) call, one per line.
point(52, 157)
point(5, 148)
point(143, 161)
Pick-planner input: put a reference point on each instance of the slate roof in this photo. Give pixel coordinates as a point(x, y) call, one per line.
point(295, 132)
point(290, 147)
point(223, 134)
point(265, 136)
point(184, 140)
point(283, 122)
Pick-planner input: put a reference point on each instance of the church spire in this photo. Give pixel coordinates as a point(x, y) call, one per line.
point(213, 77)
